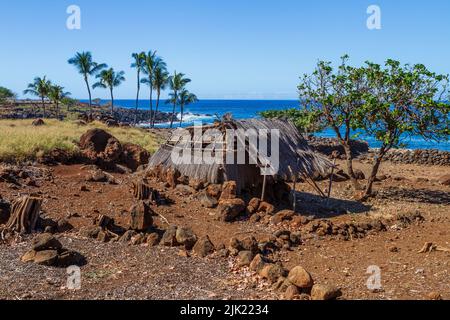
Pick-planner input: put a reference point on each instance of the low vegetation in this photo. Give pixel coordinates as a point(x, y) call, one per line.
point(391, 103)
point(20, 140)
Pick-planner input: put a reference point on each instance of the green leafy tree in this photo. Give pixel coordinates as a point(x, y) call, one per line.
point(160, 82)
point(151, 64)
point(138, 64)
point(333, 97)
point(109, 79)
point(40, 87)
point(6, 94)
point(185, 98)
point(56, 94)
point(306, 121)
point(177, 82)
point(85, 65)
point(402, 101)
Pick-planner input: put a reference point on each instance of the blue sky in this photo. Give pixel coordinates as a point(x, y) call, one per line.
point(231, 49)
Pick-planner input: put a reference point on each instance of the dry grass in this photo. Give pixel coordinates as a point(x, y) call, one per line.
point(20, 141)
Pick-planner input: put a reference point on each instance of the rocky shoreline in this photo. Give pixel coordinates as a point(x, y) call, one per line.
point(121, 115)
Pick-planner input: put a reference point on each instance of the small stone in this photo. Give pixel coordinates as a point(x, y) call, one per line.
point(253, 206)
point(138, 239)
point(266, 208)
point(445, 180)
point(300, 277)
point(214, 191)
point(228, 191)
point(185, 190)
point(28, 256)
point(245, 258)
point(258, 263)
point(435, 296)
point(250, 244)
point(208, 201)
point(204, 247)
point(46, 257)
point(223, 253)
point(272, 272)
point(153, 239)
point(169, 238)
point(236, 244)
point(230, 209)
point(63, 226)
point(46, 241)
point(285, 215)
point(90, 232)
point(127, 236)
point(291, 293)
point(325, 292)
point(103, 236)
point(186, 237)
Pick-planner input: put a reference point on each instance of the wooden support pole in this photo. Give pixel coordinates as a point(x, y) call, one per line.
point(264, 188)
point(331, 179)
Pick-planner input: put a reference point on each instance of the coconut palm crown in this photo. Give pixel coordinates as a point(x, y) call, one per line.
point(40, 87)
point(177, 83)
point(85, 65)
point(109, 79)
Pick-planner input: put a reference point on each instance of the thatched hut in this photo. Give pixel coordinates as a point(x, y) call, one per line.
point(296, 159)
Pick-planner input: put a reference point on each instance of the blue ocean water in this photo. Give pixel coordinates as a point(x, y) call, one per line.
point(208, 110)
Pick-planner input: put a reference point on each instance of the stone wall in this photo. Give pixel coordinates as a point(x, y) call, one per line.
point(327, 146)
point(423, 157)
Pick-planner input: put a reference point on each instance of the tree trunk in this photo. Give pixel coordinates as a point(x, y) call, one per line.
point(173, 116)
point(24, 214)
point(151, 97)
point(57, 110)
point(181, 116)
point(43, 105)
point(156, 109)
point(375, 168)
point(349, 162)
point(112, 103)
point(137, 98)
point(89, 93)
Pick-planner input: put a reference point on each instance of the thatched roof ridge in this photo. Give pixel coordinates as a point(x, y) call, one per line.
point(296, 157)
point(295, 154)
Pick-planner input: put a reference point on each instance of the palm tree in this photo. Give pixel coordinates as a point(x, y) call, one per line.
point(139, 63)
point(87, 67)
point(57, 95)
point(160, 82)
point(185, 98)
point(177, 82)
point(151, 63)
point(40, 87)
point(109, 79)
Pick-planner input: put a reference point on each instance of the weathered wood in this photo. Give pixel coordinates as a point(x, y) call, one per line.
point(141, 216)
point(142, 191)
point(24, 214)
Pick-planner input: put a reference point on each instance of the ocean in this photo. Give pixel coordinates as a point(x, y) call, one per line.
point(207, 111)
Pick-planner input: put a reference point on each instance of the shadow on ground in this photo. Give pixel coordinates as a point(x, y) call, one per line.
point(311, 204)
point(415, 195)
